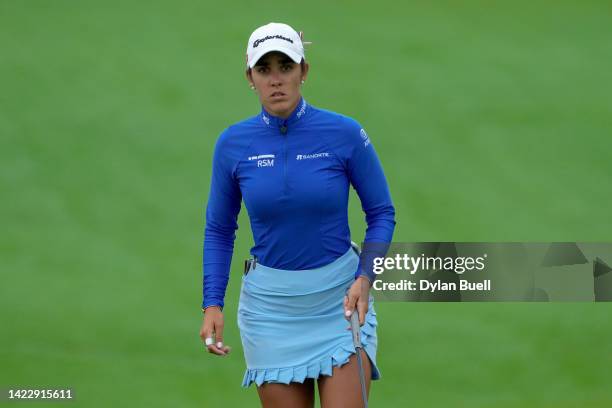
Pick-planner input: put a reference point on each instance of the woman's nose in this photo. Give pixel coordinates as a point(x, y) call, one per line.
point(275, 79)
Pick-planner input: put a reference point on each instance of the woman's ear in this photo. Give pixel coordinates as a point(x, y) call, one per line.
point(305, 69)
point(249, 78)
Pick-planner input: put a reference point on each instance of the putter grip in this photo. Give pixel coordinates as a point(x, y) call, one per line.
point(355, 329)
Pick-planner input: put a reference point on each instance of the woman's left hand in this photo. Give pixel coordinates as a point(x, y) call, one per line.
point(357, 297)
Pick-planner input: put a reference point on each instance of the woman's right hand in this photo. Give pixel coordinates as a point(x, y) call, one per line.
point(212, 329)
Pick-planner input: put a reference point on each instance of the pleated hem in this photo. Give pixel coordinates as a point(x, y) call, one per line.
point(299, 373)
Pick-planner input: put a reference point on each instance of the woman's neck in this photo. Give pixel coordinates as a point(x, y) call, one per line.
point(288, 112)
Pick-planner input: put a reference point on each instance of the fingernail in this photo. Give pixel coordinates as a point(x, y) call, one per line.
point(347, 313)
point(220, 344)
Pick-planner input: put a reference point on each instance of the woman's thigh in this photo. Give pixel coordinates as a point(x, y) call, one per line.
point(273, 395)
point(343, 388)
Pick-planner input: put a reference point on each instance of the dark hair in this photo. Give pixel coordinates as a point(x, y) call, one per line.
point(302, 63)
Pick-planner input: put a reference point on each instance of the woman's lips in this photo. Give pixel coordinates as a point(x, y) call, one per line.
point(277, 95)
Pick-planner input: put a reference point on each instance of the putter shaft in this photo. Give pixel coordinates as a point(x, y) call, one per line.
point(355, 329)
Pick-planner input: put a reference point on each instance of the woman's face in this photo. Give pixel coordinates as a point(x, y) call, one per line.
point(277, 79)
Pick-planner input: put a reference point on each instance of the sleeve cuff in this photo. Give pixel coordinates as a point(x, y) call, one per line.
point(204, 308)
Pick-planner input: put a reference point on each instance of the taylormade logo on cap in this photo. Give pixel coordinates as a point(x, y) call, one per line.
point(269, 37)
point(274, 37)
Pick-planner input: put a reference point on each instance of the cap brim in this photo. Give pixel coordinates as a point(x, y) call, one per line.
point(297, 58)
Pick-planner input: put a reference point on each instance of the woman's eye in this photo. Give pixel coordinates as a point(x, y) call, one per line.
point(286, 68)
point(262, 70)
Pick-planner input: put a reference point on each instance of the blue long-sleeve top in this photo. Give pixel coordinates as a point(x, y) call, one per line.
point(294, 176)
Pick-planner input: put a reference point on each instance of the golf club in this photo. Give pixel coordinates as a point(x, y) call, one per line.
point(358, 348)
point(357, 341)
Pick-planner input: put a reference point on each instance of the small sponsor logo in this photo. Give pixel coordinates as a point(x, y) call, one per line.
point(261, 156)
point(302, 109)
point(263, 160)
point(265, 163)
point(311, 156)
point(270, 37)
point(364, 137)
point(266, 119)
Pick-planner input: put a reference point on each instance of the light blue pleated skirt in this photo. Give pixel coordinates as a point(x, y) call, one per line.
point(292, 324)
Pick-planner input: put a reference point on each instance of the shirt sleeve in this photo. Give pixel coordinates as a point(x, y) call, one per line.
point(221, 224)
point(367, 177)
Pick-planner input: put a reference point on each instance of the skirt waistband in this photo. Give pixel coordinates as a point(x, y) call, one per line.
point(286, 282)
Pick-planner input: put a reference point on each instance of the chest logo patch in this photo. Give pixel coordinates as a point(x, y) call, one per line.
point(311, 156)
point(263, 160)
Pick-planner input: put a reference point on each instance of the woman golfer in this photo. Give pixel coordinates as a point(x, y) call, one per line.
point(293, 164)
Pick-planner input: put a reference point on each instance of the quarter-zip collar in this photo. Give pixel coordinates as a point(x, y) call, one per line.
point(277, 122)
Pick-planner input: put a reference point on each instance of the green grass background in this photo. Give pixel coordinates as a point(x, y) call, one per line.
point(493, 122)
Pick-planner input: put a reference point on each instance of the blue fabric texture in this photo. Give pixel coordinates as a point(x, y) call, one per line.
point(292, 324)
point(294, 176)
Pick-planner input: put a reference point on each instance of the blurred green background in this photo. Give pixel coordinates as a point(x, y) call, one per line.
point(492, 120)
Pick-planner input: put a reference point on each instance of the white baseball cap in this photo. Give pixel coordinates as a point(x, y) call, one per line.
point(274, 37)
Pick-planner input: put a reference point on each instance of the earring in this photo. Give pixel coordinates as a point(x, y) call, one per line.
point(252, 87)
point(302, 82)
